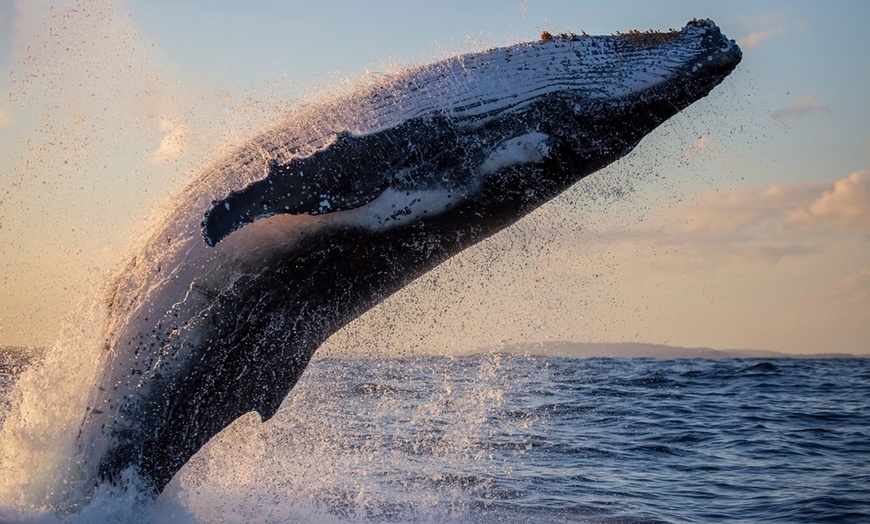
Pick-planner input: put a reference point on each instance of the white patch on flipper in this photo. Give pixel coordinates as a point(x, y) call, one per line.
point(395, 208)
point(524, 149)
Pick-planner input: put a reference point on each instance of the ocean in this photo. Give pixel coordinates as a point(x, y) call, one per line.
point(523, 439)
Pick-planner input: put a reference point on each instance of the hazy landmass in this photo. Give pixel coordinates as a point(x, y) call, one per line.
point(642, 350)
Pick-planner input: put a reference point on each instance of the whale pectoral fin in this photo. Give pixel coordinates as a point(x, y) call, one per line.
point(349, 173)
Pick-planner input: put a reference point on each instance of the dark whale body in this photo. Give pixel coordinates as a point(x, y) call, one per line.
point(311, 228)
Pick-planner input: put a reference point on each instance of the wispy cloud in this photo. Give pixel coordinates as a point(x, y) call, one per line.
point(175, 132)
point(704, 146)
point(764, 26)
point(763, 224)
point(767, 25)
point(801, 107)
point(844, 207)
point(752, 41)
point(734, 211)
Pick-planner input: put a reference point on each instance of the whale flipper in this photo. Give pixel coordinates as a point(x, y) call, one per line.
point(341, 176)
point(348, 173)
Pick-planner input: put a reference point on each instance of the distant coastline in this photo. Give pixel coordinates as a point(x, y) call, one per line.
point(642, 350)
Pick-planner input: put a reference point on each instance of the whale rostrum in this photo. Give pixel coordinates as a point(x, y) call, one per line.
point(317, 220)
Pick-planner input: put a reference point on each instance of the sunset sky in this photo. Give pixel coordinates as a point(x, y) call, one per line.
point(744, 222)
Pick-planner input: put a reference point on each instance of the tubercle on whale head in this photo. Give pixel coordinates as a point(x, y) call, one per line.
point(697, 28)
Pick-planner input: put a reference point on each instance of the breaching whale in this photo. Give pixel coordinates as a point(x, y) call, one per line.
point(312, 223)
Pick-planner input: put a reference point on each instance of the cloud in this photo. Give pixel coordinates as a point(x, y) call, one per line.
point(175, 132)
point(754, 40)
point(705, 146)
point(845, 207)
point(763, 224)
point(801, 107)
point(765, 26)
point(734, 211)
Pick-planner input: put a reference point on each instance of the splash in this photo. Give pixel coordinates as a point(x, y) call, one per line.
point(37, 440)
point(75, 151)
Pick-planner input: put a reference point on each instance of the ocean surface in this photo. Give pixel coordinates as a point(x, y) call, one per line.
point(497, 438)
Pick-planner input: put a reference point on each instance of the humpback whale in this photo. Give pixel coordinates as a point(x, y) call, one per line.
point(298, 232)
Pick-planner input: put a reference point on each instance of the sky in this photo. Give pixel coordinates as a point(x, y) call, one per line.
point(743, 222)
